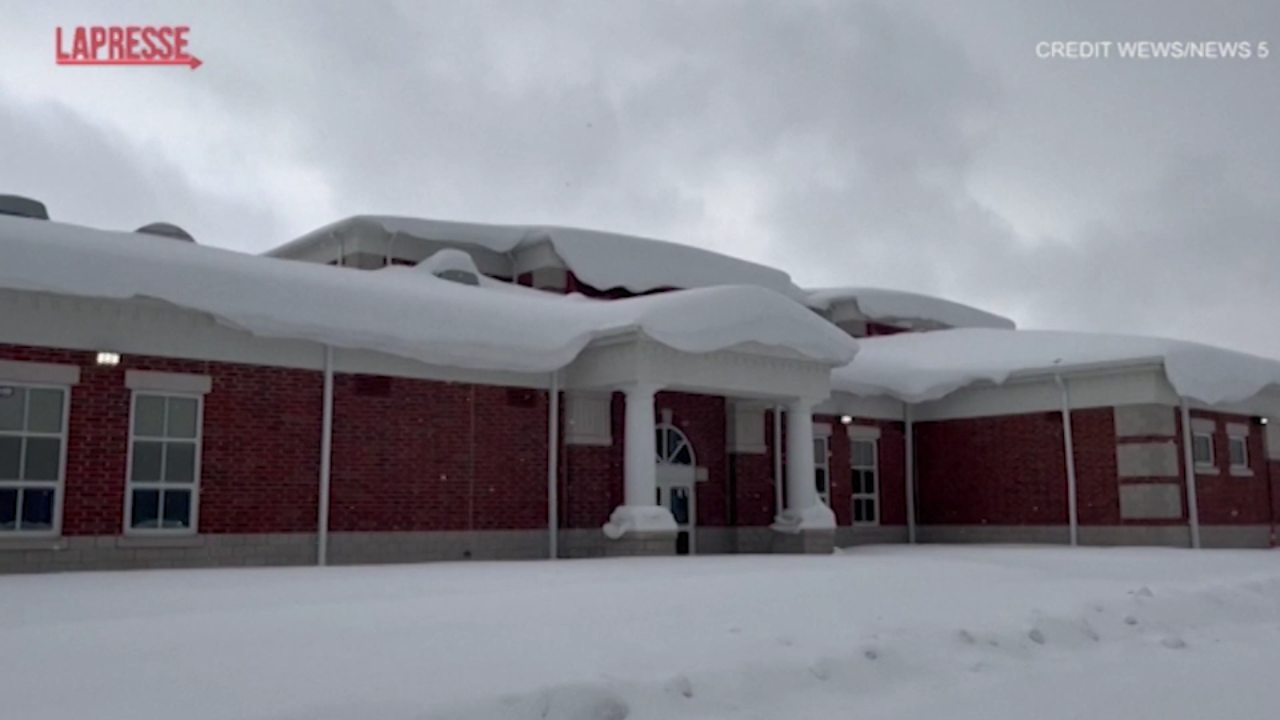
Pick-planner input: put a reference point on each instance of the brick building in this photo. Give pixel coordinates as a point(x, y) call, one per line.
point(396, 390)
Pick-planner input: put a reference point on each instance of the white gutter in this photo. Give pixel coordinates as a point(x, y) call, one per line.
point(553, 460)
point(910, 432)
point(1068, 446)
point(326, 452)
point(777, 460)
point(1189, 472)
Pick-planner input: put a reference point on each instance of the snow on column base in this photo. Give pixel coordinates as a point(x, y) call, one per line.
point(646, 519)
point(815, 517)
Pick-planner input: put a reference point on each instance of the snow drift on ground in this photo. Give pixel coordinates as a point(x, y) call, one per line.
point(926, 366)
point(929, 632)
point(893, 306)
point(600, 259)
point(396, 310)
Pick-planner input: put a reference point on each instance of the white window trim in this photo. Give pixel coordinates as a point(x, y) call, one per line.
point(875, 470)
point(825, 463)
point(59, 486)
point(1243, 469)
point(1204, 468)
point(195, 484)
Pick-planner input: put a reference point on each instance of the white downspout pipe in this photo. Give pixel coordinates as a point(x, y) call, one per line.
point(1073, 519)
point(1189, 472)
point(326, 464)
point(911, 473)
point(778, 507)
point(553, 460)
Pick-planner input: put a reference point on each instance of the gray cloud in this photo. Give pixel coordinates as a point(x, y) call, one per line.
point(919, 145)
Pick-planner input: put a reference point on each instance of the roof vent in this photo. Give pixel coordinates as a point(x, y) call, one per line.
point(19, 206)
point(453, 265)
point(164, 229)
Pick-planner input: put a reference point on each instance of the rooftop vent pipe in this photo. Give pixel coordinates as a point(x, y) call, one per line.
point(19, 206)
point(164, 229)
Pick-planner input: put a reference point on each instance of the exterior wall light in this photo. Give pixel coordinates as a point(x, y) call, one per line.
point(108, 359)
point(846, 419)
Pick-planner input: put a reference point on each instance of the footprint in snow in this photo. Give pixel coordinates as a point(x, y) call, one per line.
point(1174, 643)
point(1036, 636)
point(871, 654)
point(966, 637)
point(1144, 592)
point(1130, 620)
point(679, 685)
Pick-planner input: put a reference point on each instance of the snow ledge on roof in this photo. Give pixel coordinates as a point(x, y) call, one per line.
point(918, 367)
point(894, 306)
point(397, 310)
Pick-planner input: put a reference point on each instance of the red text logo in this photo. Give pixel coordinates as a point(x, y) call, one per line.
point(124, 45)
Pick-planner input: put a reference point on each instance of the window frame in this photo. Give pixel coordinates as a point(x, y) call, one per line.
point(59, 485)
point(1243, 468)
point(873, 496)
point(130, 485)
point(823, 463)
point(1209, 466)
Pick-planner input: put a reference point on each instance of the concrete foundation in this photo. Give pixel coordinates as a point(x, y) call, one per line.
point(642, 544)
point(805, 542)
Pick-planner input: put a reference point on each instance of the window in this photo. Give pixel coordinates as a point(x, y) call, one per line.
point(1238, 452)
point(33, 434)
point(822, 469)
point(865, 482)
point(1202, 450)
point(164, 462)
point(673, 447)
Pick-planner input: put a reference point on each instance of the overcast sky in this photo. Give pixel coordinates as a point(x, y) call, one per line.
point(919, 145)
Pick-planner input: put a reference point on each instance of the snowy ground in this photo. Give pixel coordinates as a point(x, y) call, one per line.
point(938, 632)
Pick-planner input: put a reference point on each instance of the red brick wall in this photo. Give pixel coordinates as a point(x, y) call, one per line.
point(892, 471)
point(423, 455)
point(1226, 499)
point(1005, 470)
point(261, 444)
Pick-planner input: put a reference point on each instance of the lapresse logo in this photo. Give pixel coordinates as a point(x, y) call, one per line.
point(124, 45)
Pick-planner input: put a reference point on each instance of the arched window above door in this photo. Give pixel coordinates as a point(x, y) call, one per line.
point(673, 446)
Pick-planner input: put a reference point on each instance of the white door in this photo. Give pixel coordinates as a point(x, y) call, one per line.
point(677, 479)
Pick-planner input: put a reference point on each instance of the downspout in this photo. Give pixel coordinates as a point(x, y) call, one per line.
point(553, 470)
point(1068, 446)
point(1189, 472)
point(911, 473)
point(326, 464)
point(777, 460)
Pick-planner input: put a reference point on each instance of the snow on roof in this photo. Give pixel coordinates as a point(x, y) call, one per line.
point(602, 260)
point(891, 306)
point(397, 310)
point(917, 367)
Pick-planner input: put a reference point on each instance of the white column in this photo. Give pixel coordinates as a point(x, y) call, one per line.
point(640, 475)
point(805, 509)
point(802, 492)
point(639, 511)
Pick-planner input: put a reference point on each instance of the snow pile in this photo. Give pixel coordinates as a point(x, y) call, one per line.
point(629, 519)
point(895, 306)
point(602, 260)
point(917, 367)
point(954, 632)
point(398, 310)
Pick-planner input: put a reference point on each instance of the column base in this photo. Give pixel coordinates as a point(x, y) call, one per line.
point(804, 542)
point(641, 544)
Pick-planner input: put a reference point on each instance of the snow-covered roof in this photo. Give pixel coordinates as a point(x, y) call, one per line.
point(896, 306)
point(602, 260)
point(917, 367)
point(397, 310)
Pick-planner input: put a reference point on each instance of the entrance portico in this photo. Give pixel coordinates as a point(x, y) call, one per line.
point(659, 479)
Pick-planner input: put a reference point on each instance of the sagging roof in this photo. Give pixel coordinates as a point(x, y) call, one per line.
point(397, 310)
point(602, 260)
point(895, 307)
